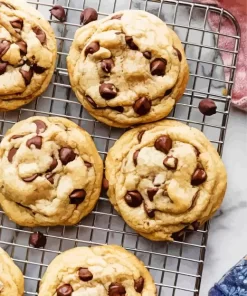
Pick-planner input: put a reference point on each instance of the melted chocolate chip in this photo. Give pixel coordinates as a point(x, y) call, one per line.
point(142, 106)
point(88, 15)
point(37, 69)
point(158, 67)
point(41, 126)
point(139, 284)
point(107, 65)
point(130, 42)
point(168, 92)
point(27, 75)
point(207, 107)
point(53, 165)
point(198, 177)
point(151, 193)
point(3, 68)
point(117, 17)
point(150, 212)
point(4, 47)
point(119, 109)
point(58, 12)
point(133, 199)
point(23, 46)
point(135, 157)
point(30, 179)
point(163, 144)
point(92, 48)
point(65, 290)
point(171, 163)
point(50, 177)
point(91, 101)
point(116, 289)
point(108, 91)
point(66, 155)
point(140, 135)
point(85, 275)
point(35, 141)
point(105, 184)
point(12, 153)
point(17, 24)
point(77, 196)
point(40, 34)
point(178, 54)
point(88, 164)
point(147, 55)
point(37, 240)
point(16, 137)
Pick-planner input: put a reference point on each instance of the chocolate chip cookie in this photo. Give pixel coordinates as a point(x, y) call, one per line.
point(27, 54)
point(128, 68)
point(11, 278)
point(50, 172)
point(102, 271)
point(165, 177)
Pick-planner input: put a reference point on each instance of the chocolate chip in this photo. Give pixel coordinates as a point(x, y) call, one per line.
point(17, 24)
point(139, 284)
point(133, 199)
point(163, 144)
point(150, 212)
point(4, 47)
point(88, 15)
point(147, 55)
point(37, 69)
point(92, 48)
point(66, 155)
point(207, 107)
point(41, 126)
point(168, 92)
point(77, 196)
point(30, 179)
point(198, 177)
point(108, 91)
point(135, 157)
point(158, 67)
point(11, 154)
point(151, 193)
point(50, 178)
point(40, 34)
point(105, 184)
point(131, 43)
point(58, 12)
point(107, 65)
point(178, 54)
point(37, 240)
point(27, 75)
point(85, 275)
point(53, 165)
point(117, 17)
point(140, 135)
point(171, 163)
point(16, 137)
point(23, 46)
point(119, 109)
point(3, 68)
point(88, 164)
point(64, 290)
point(91, 101)
point(116, 289)
point(35, 141)
point(142, 106)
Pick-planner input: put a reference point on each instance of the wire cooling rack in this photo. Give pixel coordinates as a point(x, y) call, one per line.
point(176, 267)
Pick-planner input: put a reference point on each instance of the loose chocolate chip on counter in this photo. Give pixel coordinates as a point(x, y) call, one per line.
point(35, 141)
point(58, 12)
point(131, 43)
point(85, 275)
point(88, 15)
point(168, 92)
point(3, 68)
point(41, 126)
point(37, 69)
point(30, 179)
point(66, 155)
point(158, 67)
point(77, 196)
point(12, 153)
point(163, 144)
point(88, 164)
point(40, 34)
point(133, 199)
point(151, 193)
point(207, 107)
point(92, 48)
point(119, 109)
point(53, 165)
point(150, 212)
point(105, 184)
point(178, 54)
point(27, 75)
point(135, 157)
point(37, 240)
point(4, 47)
point(198, 177)
point(107, 65)
point(139, 284)
point(116, 289)
point(17, 24)
point(140, 135)
point(142, 106)
point(171, 163)
point(108, 91)
point(23, 46)
point(91, 101)
point(65, 290)
point(117, 17)
point(147, 55)
point(50, 178)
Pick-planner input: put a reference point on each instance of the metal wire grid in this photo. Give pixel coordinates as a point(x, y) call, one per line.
point(176, 267)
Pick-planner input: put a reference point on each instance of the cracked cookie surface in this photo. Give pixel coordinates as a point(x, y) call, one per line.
point(11, 278)
point(27, 54)
point(165, 177)
point(122, 70)
point(50, 172)
point(102, 270)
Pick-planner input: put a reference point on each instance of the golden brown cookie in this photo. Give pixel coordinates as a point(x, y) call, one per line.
point(27, 54)
point(101, 271)
point(128, 68)
point(165, 177)
point(50, 172)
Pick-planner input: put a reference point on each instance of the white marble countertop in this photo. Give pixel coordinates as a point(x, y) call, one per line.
point(227, 242)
